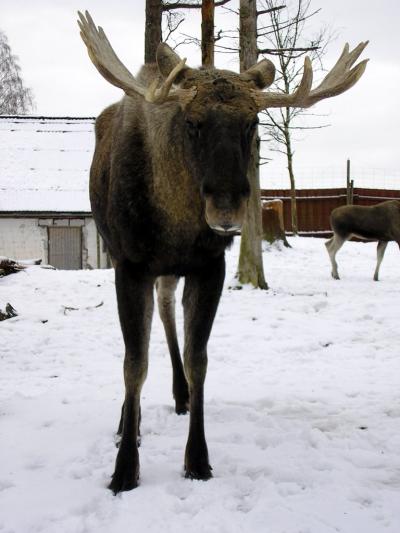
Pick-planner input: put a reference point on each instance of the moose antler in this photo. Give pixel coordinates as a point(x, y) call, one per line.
point(337, 81)
point(113, 70)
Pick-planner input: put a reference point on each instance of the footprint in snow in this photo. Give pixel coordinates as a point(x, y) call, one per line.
point(5, 484)
point(320, 305)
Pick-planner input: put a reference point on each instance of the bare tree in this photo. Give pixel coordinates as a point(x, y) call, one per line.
point(160, 13)
point(285, 37)
point(250, 267)
point(153, 32)
point(15, 98)
point(207, 33)
point(174, 17)
point(162, 20)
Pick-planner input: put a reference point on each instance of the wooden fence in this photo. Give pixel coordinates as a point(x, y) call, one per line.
point(315, 205)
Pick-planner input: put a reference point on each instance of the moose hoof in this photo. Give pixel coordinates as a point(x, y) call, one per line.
point(180, 392)
point(126, 475)
point(122, 481)
point(201, 472)
point(181, 407)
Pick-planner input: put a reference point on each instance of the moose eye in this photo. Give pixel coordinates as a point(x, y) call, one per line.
point(206, 189)
point(193, 128)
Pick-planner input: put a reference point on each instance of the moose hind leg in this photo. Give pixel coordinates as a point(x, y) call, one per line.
point(380, 252)
point(200, 301)
point(333, 246)
point(135, 308)
point(166, 286)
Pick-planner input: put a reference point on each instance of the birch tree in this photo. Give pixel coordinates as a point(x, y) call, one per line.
point(15, 98)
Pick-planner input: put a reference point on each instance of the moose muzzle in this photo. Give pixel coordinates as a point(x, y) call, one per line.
point(224, 217)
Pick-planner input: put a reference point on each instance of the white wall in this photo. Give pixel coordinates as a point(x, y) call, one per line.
point(90, 243)
point(27, 238)
point(22, 238)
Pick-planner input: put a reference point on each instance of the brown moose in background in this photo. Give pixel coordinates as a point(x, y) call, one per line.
point(380, 222)
point(169, 188)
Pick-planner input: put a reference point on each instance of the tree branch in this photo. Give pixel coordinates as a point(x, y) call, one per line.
point(270, 10)
point(185, 5)
point(283, 50)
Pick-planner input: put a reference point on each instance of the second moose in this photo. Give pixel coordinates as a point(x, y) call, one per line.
point(380, 222)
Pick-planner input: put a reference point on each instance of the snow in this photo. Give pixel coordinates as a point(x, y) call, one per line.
point(44, 163)
point(302, 404)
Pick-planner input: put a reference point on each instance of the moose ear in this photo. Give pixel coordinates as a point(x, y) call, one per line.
point(167, 60)
point(260, 75)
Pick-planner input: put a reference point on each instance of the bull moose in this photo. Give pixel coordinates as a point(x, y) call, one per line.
point(380, 222)
point(169, 189)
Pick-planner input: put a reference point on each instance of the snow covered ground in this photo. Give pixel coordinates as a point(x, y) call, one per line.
point(302, 404)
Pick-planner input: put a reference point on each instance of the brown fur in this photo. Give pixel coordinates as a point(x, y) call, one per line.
point(166, 182)
point(169, 189)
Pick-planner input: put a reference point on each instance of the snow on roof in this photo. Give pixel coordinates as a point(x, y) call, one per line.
point(44, 163)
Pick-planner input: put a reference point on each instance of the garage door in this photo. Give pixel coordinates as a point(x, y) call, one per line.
point(65, 247)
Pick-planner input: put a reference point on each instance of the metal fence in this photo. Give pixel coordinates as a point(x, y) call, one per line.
point(314, 206)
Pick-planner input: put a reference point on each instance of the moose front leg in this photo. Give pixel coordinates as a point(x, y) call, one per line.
point(121, 425)
point(333, 246)
point(135, 308)
point(200, 301)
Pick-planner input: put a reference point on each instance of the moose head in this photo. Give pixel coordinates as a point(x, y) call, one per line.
point(219, 111)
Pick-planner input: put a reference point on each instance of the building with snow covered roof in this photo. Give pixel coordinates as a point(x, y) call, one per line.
point(44, 193)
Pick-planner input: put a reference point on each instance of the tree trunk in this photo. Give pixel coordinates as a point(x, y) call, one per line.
point(153, 33)
point(293, 202)
point(272, 222)
point(250, 268)
point(207, 33)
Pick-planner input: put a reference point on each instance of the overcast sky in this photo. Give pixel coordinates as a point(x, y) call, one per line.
point(365, 120)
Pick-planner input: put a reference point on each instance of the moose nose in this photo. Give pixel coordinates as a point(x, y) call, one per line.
point(228, 227)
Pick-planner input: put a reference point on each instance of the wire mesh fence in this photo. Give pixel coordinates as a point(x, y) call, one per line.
point(309, 177)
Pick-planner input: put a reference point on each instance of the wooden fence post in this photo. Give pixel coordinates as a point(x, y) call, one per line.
point(349, 185)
